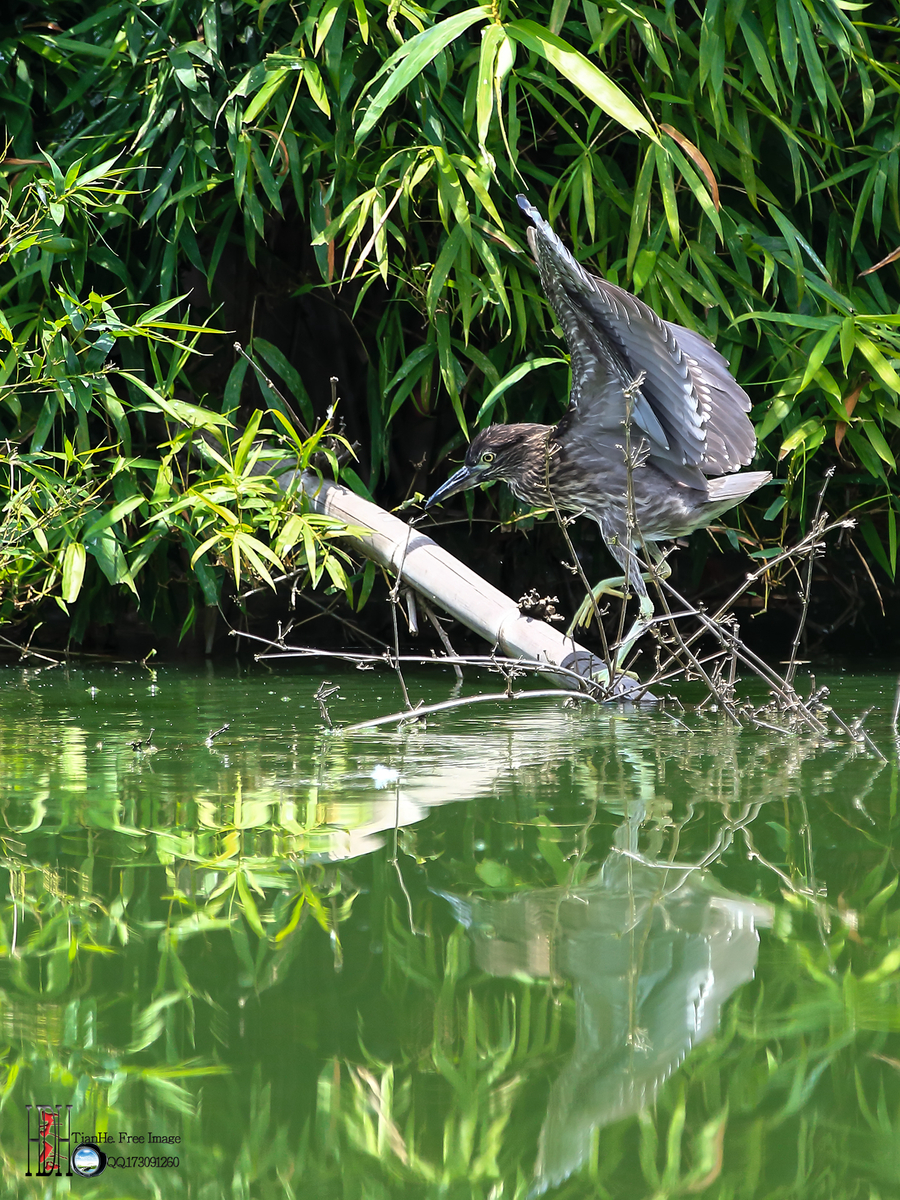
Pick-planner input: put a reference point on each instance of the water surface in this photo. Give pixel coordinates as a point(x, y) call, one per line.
point(516, 949)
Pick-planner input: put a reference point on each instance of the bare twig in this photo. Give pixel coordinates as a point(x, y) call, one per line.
point(683, 646)
point(489, 661)
point(632, 530)
point(563, 525)
point(323, 692)
point(806, 589)
point(442, 634)
point(395, 601)
point(269, 384)
point(426, 710)
point(784, 690)
point(789, 697)
point(26, 651)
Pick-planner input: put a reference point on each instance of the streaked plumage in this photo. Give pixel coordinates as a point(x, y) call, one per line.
point(689, 427)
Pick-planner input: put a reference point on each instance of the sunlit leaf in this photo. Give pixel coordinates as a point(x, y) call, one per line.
point(74, 560)
point(412, 57)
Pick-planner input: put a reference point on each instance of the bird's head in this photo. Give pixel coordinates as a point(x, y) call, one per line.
point(500, 452)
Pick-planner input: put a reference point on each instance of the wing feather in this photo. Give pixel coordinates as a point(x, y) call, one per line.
point(689, 409)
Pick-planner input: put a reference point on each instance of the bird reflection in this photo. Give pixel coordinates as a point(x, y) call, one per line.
point(653, 952)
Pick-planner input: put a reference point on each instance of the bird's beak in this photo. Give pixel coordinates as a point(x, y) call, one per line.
point(465, 477)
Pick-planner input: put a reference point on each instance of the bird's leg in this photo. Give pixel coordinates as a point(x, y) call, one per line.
point(660, 569)
point(615, 587)
point(639, 627)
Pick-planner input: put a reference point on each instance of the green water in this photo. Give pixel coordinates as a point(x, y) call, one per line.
point(523, 948)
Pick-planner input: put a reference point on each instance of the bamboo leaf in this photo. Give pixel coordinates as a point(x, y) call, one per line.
point(324, 22)
point(248, 906)
point(583, 74)
point(818, 354)
point(74, 560)
point(442, 268)
point(279, 363)
point(114, 515)
point(163, 187)
point(787, 36)
point(450, 193)
point(877, 361)
point(879, 445)
point(803, 433)
point(316, 87)
point(203, 547)
point(407, 63)
point(667, 187)
point(450, 369)
point(698, 159)
point(291, 532)
point(246, 442)
point(491, 40)
point(338, 576)
point(875, 544)
point(105, 548)
point(362, 18)
point(513, 377)
point(756, 44)
point(810, 51)
point(640, 207)
point(313, 563)
point(487, 256)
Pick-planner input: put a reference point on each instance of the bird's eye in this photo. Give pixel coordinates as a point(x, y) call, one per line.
point(487, 457)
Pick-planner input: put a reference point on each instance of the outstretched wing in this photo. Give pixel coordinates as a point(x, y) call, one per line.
point(689, 410)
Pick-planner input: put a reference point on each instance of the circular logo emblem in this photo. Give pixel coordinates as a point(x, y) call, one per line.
point(88, 1160)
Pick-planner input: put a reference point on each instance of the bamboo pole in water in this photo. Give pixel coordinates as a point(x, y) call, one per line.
point(445, 581)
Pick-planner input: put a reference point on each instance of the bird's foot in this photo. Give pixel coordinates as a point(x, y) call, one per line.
point(608, 587)
point(588, 606)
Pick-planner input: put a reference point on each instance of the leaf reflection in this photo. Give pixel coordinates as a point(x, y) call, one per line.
point(201, 931)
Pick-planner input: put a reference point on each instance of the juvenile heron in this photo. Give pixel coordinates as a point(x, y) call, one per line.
point(688, 429)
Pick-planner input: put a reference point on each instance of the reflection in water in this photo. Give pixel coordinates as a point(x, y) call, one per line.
point(653, 952)
point(68, 759)
point(145, 880)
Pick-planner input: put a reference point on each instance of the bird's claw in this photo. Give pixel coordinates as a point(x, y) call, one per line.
point(588, 606)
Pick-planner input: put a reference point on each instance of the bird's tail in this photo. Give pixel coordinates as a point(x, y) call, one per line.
point(727, 490)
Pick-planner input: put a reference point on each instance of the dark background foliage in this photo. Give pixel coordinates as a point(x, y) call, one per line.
point(332, 185)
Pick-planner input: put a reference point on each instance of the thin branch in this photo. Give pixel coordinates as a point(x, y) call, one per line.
point(563, 525)
point(806, 589)
point(425, 710)
point(442, 634)
point(269, 384)
point(490, 662)
point(395, 602)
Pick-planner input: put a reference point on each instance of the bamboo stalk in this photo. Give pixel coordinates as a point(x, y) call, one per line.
point(444, 580)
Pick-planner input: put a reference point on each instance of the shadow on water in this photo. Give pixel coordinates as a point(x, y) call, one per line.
point(500, 954)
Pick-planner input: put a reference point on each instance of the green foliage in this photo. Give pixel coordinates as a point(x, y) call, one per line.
point(84, 509)
point(737, 166)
